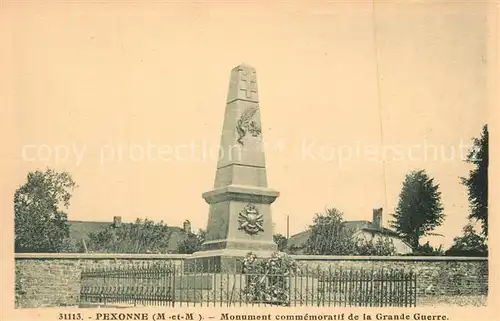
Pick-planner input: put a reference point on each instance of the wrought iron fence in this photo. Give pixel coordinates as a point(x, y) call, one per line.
point(169, 285)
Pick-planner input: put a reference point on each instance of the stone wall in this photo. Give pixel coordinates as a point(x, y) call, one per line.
point(49, 280)
point(436, 275)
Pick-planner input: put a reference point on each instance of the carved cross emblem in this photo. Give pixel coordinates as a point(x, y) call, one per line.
point(250, 220)
point(249, 80)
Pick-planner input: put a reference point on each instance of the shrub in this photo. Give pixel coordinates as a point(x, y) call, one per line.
point(281, 241)
point(142, 236)
point(469, 244)
point(427, 250)
point(193, 243)
point(381, 246)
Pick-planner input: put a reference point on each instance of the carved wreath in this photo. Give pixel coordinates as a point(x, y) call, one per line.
point(250, 220)
point(247, 124)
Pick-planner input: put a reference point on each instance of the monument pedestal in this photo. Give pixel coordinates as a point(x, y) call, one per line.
point(240, 219)
point(219, 261)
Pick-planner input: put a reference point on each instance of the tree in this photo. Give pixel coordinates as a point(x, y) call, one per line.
point(138, 237)
point(193, 243)
point(419, 210)
point(281, 241)
point(477, 182)
point(469, 244)
point(40, 220)
point(328, 236)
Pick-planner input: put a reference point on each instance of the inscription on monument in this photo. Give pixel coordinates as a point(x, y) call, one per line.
point(247, 124)
point(250, 220)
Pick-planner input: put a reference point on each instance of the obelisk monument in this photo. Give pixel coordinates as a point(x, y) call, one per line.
point(240, 217)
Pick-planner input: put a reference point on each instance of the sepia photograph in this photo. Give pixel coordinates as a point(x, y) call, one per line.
point(172, 155)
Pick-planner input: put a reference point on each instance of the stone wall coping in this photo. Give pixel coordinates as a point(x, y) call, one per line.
point(385, 258)
point(131, 256)
point(99, 256)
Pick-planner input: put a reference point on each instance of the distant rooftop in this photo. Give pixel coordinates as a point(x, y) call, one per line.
point(301, 238)
point(80, 230)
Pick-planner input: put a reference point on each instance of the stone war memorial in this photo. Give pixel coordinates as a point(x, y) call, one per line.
point(240, 218)
point(239, 222)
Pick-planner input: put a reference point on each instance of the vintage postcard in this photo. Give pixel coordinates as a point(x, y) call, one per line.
point(248, 160)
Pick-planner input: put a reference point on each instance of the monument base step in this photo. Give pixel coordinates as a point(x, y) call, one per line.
point(193, 282)
point(213, 264)
point(219, 261)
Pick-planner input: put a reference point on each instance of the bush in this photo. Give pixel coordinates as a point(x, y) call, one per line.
point(193, 243)
point(142, 236)
point(469, 244)
point(281, 241)
point(382, 246)
point(426, 250)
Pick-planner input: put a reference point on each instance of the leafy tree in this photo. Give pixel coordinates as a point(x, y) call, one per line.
point(469, 244)
point(329, 236)
point(138, 237)
point(419, 210)
point(477, 182)
point(41, 223)
point(281, 241)
point(193, 243)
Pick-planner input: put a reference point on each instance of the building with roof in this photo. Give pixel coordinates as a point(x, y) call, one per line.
point(79, 231)
point(362, 229)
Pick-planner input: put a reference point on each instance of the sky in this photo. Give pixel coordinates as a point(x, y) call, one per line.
point(95, 86)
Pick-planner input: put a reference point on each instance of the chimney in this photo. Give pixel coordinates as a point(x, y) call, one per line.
point(186, 226)
point(377, 218)
point(117, 221)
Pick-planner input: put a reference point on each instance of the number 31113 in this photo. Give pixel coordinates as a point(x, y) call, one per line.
point(70, 316)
